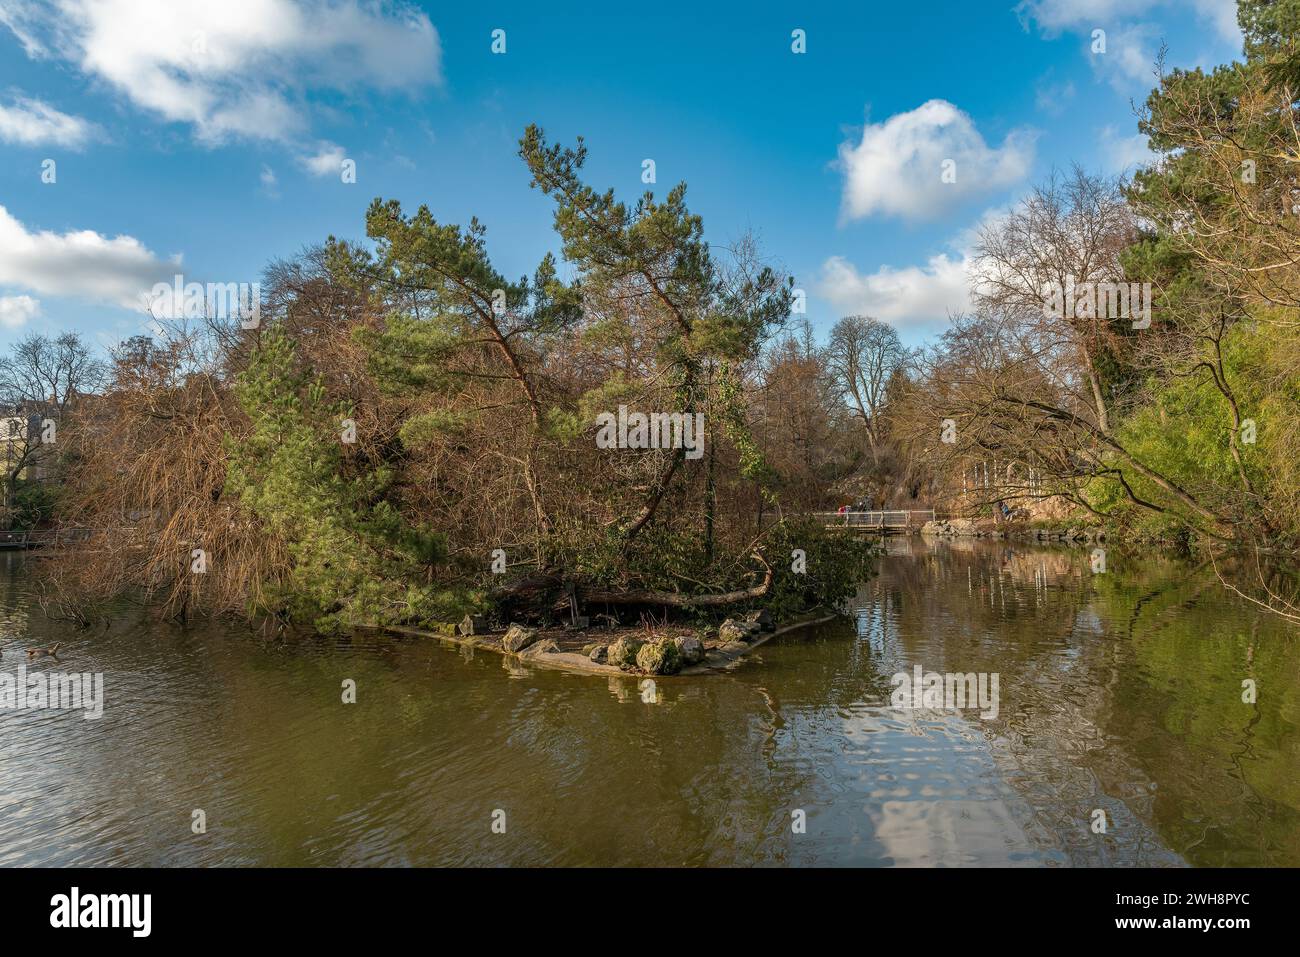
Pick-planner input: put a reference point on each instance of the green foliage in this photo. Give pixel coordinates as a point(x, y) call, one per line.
point(451, 301)
point(451, 265)
point(657, 559)
point(612, 242)
point(456, 352)
point(563, 426)
point(663, 558)
point(658, 243)
point(1184, 434)
point(607, 396)
point(32, 504)
point(354, 560)
point(1269, 25)
point(731, 409)
point(409, 353)
point(427, 428)
point(837, 562)
point(1227, 165)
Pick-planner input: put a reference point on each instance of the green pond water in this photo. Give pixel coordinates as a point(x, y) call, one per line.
point(1118, 692)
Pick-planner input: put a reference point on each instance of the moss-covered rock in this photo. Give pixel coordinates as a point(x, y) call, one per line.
point(659, 657)
point(691, 650)
point(518, 637)
point(732, 630)
point(622, 653)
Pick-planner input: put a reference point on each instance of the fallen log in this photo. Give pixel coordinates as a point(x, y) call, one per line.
point(536, 588)
point(644, 596)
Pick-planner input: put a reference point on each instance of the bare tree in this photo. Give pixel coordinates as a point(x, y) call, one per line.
point(863, 355)
point(39, 379)
point(1068, 232)
point(996, 394)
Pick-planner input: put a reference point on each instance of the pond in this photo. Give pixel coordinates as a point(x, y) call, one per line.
point(1120, 701)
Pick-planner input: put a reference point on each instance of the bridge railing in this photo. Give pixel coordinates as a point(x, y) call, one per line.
point(882, 518)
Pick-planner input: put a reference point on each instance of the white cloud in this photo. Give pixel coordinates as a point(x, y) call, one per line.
point(1124, 154)
point(1132, 39)
point(921, 295)
point(29, 122)
point(1130, 57)
point(14, 14)
point(1053, 98)
point(327, 161)
point(1222, 14)
point(16, 311)
point(240, 68)
point(1056, 16)
point(898, 165)
point(81, 264)
point(912, 294)
point(1133, 35)
point(270, 182)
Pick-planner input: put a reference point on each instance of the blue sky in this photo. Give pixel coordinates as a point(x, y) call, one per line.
point(214, 132)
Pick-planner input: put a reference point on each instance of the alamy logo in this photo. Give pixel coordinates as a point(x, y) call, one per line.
point(56, 691)
point(215, 300)
point(1099, 300)
point(932, 691)
point(103, 910)
point(655, 430)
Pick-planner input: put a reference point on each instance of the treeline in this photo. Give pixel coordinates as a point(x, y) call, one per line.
point(1135, 348)
point(408, 434)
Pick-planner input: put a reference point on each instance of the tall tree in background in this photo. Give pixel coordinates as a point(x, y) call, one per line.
point(1223, 251)
point(1068, 231)
point(863, 355)
point(801, 421)
point(40, 378)
point(701, 322)
point(451, 321)
point(1226, 194)
point(405, 413)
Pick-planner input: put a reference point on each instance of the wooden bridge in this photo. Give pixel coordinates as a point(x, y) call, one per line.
point(884, 522)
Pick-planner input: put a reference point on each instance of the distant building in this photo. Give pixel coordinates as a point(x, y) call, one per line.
point(22, 426)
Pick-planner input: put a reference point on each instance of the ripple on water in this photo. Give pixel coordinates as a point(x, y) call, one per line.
point(1120, 696)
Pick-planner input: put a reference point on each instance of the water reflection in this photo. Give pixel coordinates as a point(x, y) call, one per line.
point(1120, 692)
